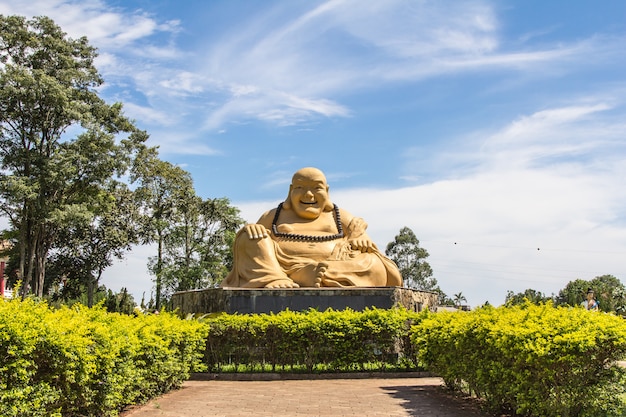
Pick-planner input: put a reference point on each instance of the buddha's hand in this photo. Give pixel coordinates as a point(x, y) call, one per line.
point(256, 231)
point(363, 244)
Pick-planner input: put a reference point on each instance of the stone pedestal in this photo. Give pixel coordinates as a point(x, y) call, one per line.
point(245, 301)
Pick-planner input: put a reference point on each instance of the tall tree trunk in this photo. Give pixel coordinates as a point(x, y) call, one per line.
point(91, 281)
point(29, 277)
point(40, 268)
point(158, 271)
point(22, 266)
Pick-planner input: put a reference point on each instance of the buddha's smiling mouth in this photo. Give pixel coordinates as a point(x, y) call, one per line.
point(310, 203)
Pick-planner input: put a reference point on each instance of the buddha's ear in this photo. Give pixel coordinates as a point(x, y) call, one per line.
point(328, 206)
point(287, 202)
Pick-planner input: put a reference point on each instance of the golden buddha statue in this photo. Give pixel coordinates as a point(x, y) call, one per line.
point(307, 241)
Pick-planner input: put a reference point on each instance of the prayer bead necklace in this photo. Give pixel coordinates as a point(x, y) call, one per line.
point(308, 238)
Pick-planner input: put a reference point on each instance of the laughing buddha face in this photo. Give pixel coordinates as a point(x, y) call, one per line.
point(308, 193)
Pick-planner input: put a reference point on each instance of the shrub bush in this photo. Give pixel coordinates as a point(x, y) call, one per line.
point(533, 360)
point(528, 359)
point(82, 361)
point(312, 340)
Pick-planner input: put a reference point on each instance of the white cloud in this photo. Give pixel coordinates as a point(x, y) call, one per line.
point(497, 220)
point(105, 27)
point(341, 47)
point(179, 143)
point(555, 134)
point(584, 135)
point(184, 83)
point(279, 108)
point(149, 115)
point(408, 29)
point(291, 64)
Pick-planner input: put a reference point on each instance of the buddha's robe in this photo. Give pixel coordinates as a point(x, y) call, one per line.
point(258, 262)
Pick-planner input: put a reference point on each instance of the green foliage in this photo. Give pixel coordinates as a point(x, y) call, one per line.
point(444, 300)
point(193, 236)
point(105, 231)
point(197, 244)
point(406, 252)
point(75, 293)
point(162, 187)
point(459, 298)
point(534, 360)
point(535, 297)
point(609, 292)
point(52, 185)
point(122, 302)
point(87, 362)
point(313, 340)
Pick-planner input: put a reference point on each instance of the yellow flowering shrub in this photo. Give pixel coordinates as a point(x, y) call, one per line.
point(533, 360)
point(88, 362)
point(328, 340)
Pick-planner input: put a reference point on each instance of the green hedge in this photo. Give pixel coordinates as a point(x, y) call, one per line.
point(312, 341)
point(532, 360)
point(87, 362)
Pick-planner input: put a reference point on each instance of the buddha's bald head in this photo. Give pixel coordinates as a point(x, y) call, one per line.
point(309, 174)
point(308, 189)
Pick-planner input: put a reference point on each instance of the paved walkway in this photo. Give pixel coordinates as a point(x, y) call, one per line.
point(335, 397)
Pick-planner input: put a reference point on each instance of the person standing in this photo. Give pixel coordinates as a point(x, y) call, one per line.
point(590, 302)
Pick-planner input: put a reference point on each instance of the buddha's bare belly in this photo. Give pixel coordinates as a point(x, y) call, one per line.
point(318, 251)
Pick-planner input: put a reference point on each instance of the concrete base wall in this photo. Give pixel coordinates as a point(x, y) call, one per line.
point(245, 301)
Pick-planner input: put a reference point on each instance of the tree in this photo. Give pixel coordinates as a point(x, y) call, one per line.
point(194, 237)
point(93, 238)
point(459, 298)
point(47, 86)
point(122, 302)
point(535, 297)
point(442, 298)
point(409, 256)
point(609, 291)
point(162, 188)
point(574, 293)
point(198, 248)
point(222, 221)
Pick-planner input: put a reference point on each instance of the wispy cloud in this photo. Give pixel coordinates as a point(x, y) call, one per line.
point(293, 64)
point(339, 47)
point(342, 47)
point(586, 135)
point(563, 134)
point(107, 27)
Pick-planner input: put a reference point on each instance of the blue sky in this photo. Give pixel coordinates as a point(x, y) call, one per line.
point(495, 130)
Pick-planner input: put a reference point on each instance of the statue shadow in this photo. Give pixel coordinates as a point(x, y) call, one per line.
point(434, 400)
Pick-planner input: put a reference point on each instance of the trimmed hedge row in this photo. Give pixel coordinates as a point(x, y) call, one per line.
point(532, 360)
point(312, 340)
point(80, 361)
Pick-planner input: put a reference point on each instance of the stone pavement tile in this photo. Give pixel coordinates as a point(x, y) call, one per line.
point(375, 397)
